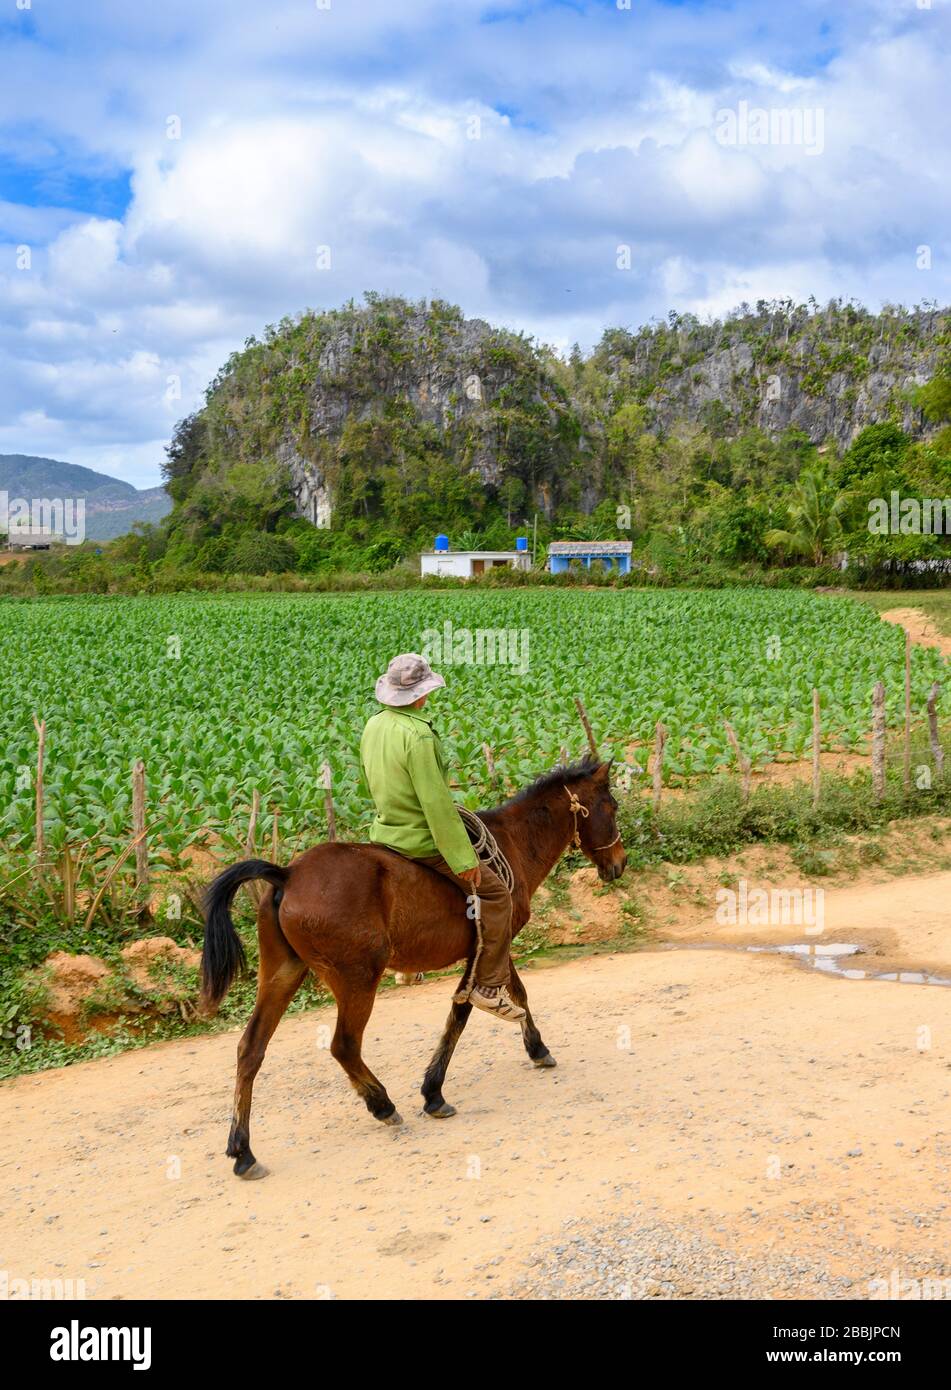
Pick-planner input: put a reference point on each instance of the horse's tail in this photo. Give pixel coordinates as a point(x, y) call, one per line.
point(223, 955)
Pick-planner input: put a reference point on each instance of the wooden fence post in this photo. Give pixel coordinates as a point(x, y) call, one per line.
point(816, 743)
point(138, 831)
point(252, 836)
point(742, 761)
point(274, 836)
point(592, 744)
point(906, 759)
point(490, 765)
point(254, 890)
point(937, 752)
point(878, 740)
point(660, 738)
point(69, 870)
point(329, 802)
point(40, 836)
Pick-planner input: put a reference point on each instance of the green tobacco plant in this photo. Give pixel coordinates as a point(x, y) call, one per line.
point(226, 695)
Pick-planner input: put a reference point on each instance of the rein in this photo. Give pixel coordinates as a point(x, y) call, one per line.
point(486, 846)
point(579, 809)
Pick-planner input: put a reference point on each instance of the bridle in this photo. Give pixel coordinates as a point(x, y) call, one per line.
point(578, 808)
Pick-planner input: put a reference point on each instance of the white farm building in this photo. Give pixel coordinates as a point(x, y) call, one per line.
point(465, 564)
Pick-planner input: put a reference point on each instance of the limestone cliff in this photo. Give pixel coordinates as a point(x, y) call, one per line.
point(827, 372)
point(330, 395)
point(348, 413)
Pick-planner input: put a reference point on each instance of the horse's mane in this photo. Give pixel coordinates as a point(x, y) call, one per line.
point(563, 775)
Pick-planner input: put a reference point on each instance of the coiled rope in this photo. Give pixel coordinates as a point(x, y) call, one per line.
point(486, 847)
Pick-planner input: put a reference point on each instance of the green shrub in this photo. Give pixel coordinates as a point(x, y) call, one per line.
point(260, 552)
point(382, 555)
point(216, 556)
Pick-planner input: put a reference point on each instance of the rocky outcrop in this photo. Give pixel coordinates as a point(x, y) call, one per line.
point(455, 375)
point(349, 405)
point(442, 371)
point(828, 372)
point(312, 496)
point(777, 397)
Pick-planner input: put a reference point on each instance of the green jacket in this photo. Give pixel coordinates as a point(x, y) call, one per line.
point(405, 769)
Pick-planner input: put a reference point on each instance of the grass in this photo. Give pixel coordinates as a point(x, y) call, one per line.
point(935, 602)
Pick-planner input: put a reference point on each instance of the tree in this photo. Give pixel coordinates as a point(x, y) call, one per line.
point(468, 540)
point(815, 511)
point(512, 494)
point(186, 456)
point(877, 449)
point(738, 526)
point(261, 552)
point(576, 361)
point(935, 399)
point(382, 554)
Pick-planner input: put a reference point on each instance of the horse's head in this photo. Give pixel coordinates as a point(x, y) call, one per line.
point(595, 822)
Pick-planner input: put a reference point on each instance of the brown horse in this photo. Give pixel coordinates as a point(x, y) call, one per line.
point(349, 911)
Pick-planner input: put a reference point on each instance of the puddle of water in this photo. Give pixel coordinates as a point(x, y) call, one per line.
point(827, 957)
point(812, 948)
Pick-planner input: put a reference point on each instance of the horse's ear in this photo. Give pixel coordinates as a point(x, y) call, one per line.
point(603, 773)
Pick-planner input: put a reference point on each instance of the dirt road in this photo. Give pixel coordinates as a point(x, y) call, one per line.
point(718, 1123)
point(924, 630)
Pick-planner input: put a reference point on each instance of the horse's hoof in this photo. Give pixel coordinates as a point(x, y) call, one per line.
point(257, 1170)
point(395, 1119)
point(546, 1061)
point(441, 1112)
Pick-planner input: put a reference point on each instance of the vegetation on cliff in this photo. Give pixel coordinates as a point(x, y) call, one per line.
point(721, 449)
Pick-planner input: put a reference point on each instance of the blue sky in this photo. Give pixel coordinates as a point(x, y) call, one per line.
point(168, 174)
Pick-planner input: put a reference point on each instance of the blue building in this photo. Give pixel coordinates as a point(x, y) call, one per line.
point(614, 555)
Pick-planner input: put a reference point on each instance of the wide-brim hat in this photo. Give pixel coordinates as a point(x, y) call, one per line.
point(407, 677)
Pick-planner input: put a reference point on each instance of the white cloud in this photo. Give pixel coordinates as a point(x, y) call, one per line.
point(83, 257)
point(351, 128)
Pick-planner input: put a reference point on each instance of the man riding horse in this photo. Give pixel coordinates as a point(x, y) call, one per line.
point(406, 772)
point(348, 911)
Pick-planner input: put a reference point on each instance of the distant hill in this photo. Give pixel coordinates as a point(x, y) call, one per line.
point(112, 506)
point(357, 411)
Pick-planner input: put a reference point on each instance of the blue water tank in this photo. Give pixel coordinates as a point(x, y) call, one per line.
point(442, 543)
point(521, 543)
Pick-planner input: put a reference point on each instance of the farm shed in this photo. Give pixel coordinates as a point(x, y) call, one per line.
point(32, 538)
point(613, 554)
point(464, 564)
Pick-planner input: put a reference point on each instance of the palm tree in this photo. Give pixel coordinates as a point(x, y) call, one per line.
point(815, 516)
point(590, 528)
point(468, 540)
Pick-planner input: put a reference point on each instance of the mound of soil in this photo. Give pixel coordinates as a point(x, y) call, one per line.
point(84, 994)
point(924, 631)
point(590, 916)
point(68, 981)
point(148, 961)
